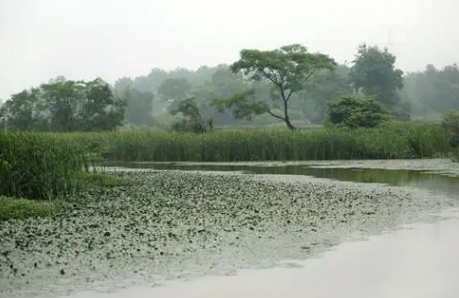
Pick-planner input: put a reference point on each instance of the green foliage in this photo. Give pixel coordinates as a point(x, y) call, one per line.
point(286, 70)
point(45, 166)
point(374, 74)
point(99, 180)
point(38, 166)
point(426, 94)
point(192, 121)
point(222, 84)
point(242, 105)
point(450, 124)
point(13, 208)
point(356, 111)
point(65, 106)
point(408, 140)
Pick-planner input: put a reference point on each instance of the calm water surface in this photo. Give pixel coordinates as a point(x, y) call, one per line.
point(419, 179)
point(417, 261)
point(420, 261)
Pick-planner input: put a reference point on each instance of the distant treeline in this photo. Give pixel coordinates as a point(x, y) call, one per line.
point(148, 100)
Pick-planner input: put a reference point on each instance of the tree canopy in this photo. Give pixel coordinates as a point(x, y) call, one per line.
point(65, 105)
point(286, 70)
point(374, 73)
point(262, 87)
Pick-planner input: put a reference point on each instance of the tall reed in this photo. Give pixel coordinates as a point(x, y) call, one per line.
point(393, 141)
point(37, 165)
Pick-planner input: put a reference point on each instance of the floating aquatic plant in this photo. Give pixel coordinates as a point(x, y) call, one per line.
point(165, 224)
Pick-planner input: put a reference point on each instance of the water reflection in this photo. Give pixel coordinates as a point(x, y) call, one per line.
point(419, 179)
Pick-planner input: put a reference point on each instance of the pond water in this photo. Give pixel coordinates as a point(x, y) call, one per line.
point(420, 260)
point(409, 178)
point(417, 260)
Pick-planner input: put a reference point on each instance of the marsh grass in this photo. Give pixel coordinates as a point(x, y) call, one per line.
point(14, 208)
point(392, 141)
point(100, 179)
point(46, 165)
point(38, 166)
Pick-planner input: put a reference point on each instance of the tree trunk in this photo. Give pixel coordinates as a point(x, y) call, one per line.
point(289, 124)
point(286, 117)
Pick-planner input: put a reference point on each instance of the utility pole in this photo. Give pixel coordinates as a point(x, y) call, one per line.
point(389, 32)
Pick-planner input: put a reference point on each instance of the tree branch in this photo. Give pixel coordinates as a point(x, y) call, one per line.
point(276, 116)
point(284, 98)
point(277, 107)
point(309, 75)
point(268, 76)
point(289, 94)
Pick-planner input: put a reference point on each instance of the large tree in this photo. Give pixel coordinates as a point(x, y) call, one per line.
point(374, 74)
point(22, 111)
point(65, 105)
point(286, 70)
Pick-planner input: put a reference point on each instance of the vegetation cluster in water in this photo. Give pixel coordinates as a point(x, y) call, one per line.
point(174, 224)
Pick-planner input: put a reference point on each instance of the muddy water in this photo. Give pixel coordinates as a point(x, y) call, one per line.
point(421, 261)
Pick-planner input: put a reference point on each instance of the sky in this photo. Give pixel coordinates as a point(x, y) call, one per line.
point(85, 39)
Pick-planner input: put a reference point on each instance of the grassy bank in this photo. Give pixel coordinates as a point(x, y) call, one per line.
point(14, 208)
point(411, 140)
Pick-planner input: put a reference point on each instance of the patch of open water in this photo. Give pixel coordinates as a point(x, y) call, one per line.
point(419, 260)
point(421, 179)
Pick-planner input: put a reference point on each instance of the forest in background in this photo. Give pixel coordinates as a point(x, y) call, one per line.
point(152, 100)
point(425, 95)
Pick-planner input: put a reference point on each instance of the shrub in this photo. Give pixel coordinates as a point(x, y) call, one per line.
point(356, 111)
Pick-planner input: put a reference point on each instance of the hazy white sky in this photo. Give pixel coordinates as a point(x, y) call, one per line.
point(84, 39)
